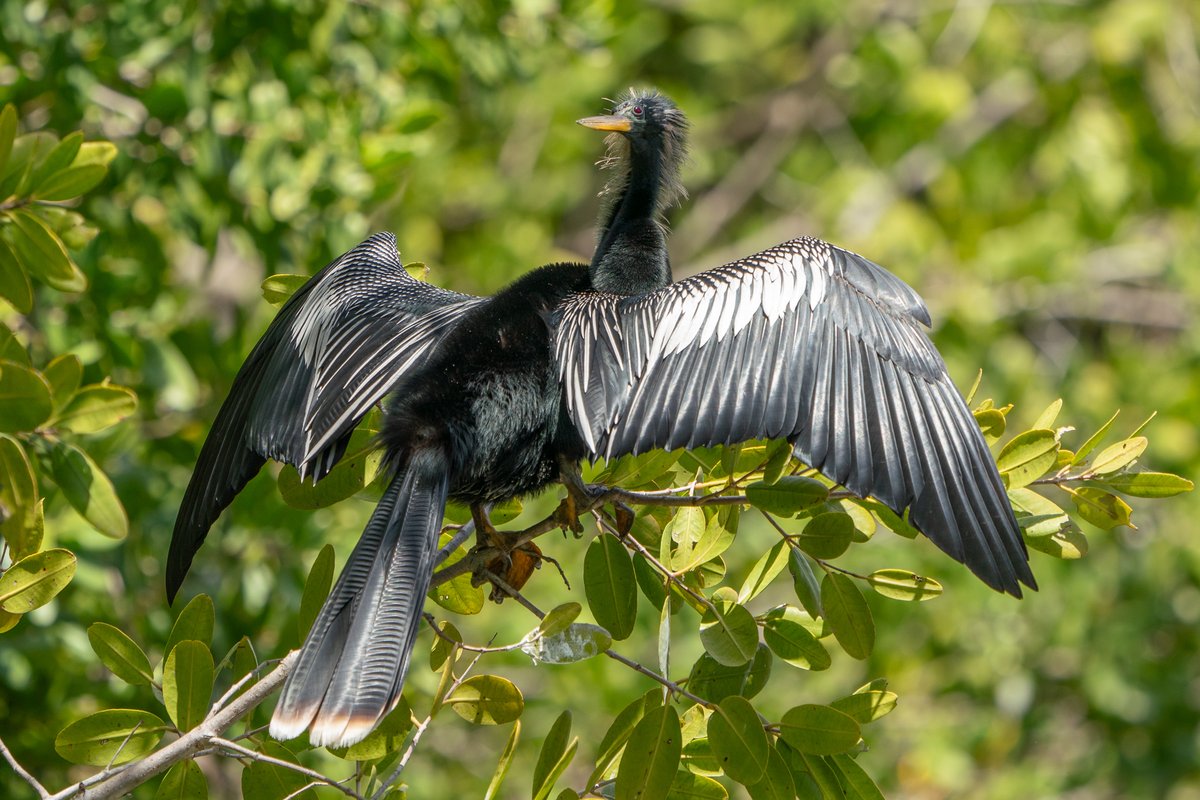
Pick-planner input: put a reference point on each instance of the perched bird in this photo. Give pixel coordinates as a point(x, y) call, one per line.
point(489, 397)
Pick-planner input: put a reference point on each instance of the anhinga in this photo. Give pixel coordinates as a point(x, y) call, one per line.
point(489, 396)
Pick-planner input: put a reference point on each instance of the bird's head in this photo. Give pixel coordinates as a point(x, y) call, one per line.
point(644, 122)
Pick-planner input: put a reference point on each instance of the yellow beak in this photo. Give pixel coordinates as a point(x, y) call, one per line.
point(610, 122)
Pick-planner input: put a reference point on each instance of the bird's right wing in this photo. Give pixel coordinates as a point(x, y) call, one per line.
point(805, 341)
point(335, 348)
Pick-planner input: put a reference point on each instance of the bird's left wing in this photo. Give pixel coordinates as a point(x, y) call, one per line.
point(805, 341)
point(335, 348)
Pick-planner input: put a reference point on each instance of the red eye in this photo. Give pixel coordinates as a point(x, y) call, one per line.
point(637, 111)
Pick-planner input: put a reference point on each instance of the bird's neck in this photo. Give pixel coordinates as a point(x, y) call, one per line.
point(631, 256)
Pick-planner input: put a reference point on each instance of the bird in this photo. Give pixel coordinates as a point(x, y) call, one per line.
point(488, 398)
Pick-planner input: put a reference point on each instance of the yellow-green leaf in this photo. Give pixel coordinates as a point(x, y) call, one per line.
point(715, 681)
point(64, 375)
point(42, 253)
point(70, 183)
point(610, 586)
point(195, 622)
point(558, 749)
point(1102, 509)
point(789, 639)
point(457, 595)
point(848, 615)
point(316, 589)
point(96, 407)
point(1068, 543)
point(187, 683)
point(728, 631)
point(184, 781)
point(34, 580)
point(8, 132)
point(14, 281)
point(867, 706)
point(1027, 457)
point(788, 495)
point(487, 700)
point(19, 497)
point(1149, 484)
point(827, 535)
point(502, 766)
point(900, 584)
point(25, 399)
point(819, 730)
point(738, 740)
point(559, 618)
point(118, 735)
point(1119, 455)
point(768, 566)
point(278, 288)
point(387, 738)
point(651, 756)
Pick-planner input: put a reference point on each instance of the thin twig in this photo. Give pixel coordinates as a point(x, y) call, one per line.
point(311, 774)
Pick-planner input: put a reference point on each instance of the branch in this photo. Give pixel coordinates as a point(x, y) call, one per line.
point(115, 783)
point(25, 776)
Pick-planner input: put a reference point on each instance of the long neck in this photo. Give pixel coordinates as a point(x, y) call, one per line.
point(631, 256)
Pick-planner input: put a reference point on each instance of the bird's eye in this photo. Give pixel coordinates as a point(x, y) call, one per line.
point(637, 111)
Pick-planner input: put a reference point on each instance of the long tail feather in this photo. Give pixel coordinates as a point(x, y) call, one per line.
point(352, 666)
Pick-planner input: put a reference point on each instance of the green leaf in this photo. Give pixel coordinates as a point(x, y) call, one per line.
point(195, 622)
point(265, 781)
point(25, 400)
point(900, 584)
point(1149, 484)
point(827, 535)
point(457, 595)
point(1027, 457)
point(502, 766)
point(11, 349)
point(388, 737)
point(88, 490)
point(578, 642)
point(792, 641)
point(718, 534)
point(101, 153)
point(118, 735)
point(64, 375)
point(1102, 509)
point(787, 496)
point(184, 781)
point(992, 423)
point(609, 585)
point(619, 731)
point(858, 783)
point(1042, 517)
point(278, 288)
point(19, 496)
point(893, 521)
point(650, 581)
point(1087, 447)
point(559, 618)
point(59, 157)
point(714, 681)
point(808, 591)
point(352, 473)
point(818, 774)
point(1047, 417)
point(558, 749)
point(1067, 543)
point(487, 700)
point(776, 782)
point(768, 566)
point(95, 408)
point(848, 615)
point(71, 183)
point(728, 630)
point(14, 281)
point(689, 786)
point(8, 132)
point(779, 455)
point(34, 580)
point(187, 683)
point(1118, 456)
point(42, 253)
point(651, 756)
point(819, 730)
point(443, 649)
point(120, 654)
point(316, 589)
point(680, 535)
point(738, 740)
point(866, 706)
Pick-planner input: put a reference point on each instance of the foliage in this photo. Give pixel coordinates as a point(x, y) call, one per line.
point(1029, 168)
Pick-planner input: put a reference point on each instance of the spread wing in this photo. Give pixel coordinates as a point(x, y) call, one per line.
point(335, 348)
point(809, 342)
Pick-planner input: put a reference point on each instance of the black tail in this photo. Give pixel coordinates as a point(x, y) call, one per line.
point(352, 666)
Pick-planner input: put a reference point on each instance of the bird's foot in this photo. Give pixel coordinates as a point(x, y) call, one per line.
point(514, 567)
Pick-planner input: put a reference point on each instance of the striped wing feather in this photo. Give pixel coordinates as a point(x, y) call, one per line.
point(335, 348)
point(809, 342)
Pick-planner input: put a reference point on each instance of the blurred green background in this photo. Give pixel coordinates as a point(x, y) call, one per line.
point(1032, 168)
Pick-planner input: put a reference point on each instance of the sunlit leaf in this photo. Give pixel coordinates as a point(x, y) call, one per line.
point(1118, 456)
point(1148, 484)
point(505, 762)
point(826, 535)
point(789, 639)
point(25, 399)
point(859, 785)
point(118, 735)
point(19, 497)
point(1087, 447)
point(1069, 543)
point(487, 700)
point(690, 786)
point(94, 408)
point(768, 566)
point(558, 749)
point(64, 375)
point(457, 595)
point(619, 731)
point(776, 782)
point(187, 683)
point(900, 584)
point(866, 706)
point(34, 580)
point(278, 288)
point(1027, 457)
point(1101, 508)
point(788, 495)
point(194, 622)
point(42, 253)
point(70, 183)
